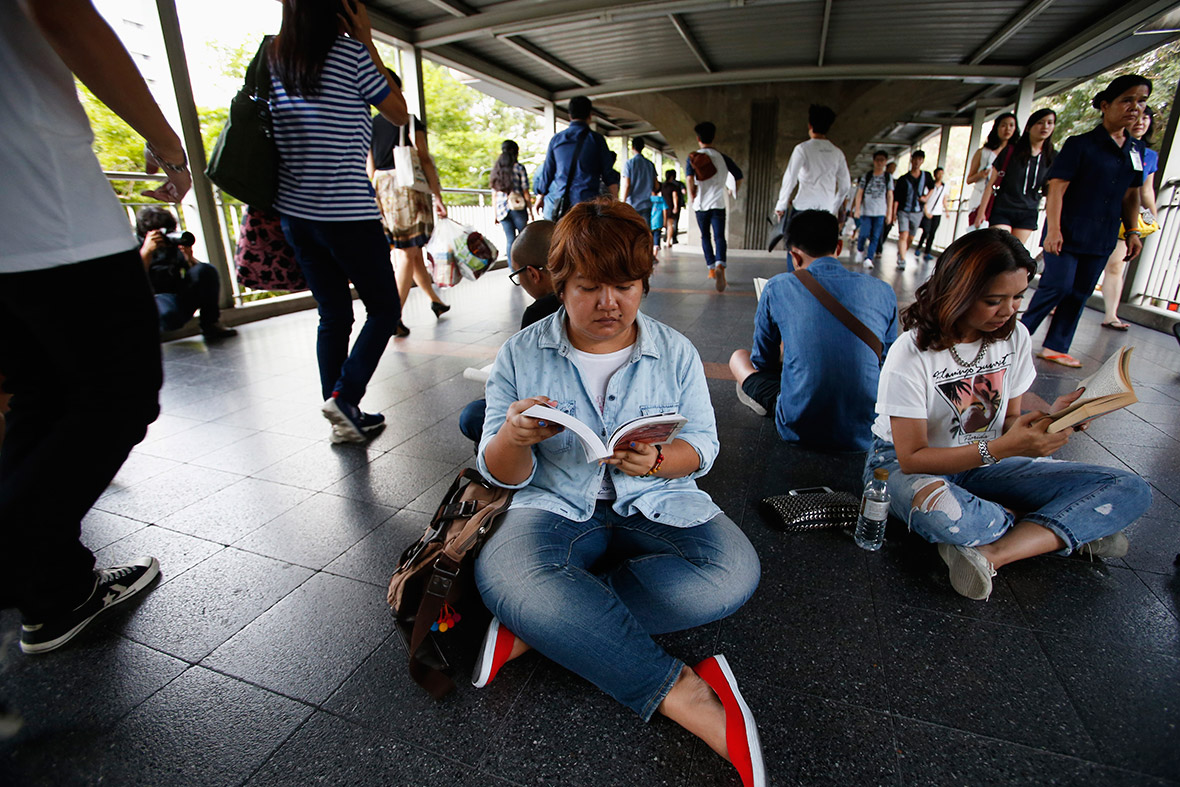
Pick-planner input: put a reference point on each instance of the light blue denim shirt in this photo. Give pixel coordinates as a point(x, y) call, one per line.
point(663, 375)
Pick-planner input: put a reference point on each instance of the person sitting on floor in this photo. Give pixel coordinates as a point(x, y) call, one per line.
point(182, 285)
point(807, 367)
point(593, 559)
point(961, 457)
point(529, 257)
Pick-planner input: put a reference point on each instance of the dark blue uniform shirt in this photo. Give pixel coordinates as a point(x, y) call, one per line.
point(1099, 173)
point(595, 166)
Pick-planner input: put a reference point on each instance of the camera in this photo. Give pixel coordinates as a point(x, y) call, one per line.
point(180, 238)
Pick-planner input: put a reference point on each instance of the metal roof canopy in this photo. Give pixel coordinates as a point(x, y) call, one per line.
point(541, 52)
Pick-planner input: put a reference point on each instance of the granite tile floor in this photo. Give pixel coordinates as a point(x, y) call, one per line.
point(266, 654)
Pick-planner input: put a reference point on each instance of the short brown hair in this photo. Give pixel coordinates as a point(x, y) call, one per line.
point(960, 277)
point(605, 241)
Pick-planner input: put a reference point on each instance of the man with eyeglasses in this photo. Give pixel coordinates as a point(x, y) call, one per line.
point(530, 253)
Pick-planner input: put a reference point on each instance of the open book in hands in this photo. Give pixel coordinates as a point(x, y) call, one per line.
point(651, 429)
point(1108, 389)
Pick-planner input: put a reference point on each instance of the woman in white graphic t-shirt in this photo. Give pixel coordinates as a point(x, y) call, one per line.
point(966, 467)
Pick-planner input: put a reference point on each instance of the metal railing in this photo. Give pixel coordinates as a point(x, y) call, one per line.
point(480, 216)
point(1157, 280)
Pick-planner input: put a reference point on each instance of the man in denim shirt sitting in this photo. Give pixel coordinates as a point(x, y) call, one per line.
point(818, 378)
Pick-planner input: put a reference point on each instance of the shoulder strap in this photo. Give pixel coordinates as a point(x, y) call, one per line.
point(258, 72)
point(839, 312)
point(569, 181)
point(1009, 149)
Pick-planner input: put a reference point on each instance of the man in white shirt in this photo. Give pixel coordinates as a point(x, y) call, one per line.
point(818, 168)
point(706, 171)
point(79, 341)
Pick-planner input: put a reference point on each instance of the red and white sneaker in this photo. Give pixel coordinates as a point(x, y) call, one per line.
point(493, 653)
point(741, 733)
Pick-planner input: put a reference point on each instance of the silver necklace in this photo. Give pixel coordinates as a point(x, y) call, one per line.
point(982, 349)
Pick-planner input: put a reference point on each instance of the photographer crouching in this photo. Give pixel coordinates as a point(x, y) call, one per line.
point(182, 286)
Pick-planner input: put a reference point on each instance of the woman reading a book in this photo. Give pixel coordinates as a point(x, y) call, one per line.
point(594, 558)
point(964, 469)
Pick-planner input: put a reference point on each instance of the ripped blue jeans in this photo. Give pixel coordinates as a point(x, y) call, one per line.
point(1078, 502)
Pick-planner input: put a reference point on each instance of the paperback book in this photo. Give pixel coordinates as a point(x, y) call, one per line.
point(1107, 390)
point(651, 429)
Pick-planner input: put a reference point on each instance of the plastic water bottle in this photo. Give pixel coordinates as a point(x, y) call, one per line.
point(874, 510)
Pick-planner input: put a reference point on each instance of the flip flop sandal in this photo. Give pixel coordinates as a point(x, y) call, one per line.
point(1116, 326)
point(1060, 358)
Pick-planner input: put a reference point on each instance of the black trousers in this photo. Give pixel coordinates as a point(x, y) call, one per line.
point(80, 354)
point(929, 227)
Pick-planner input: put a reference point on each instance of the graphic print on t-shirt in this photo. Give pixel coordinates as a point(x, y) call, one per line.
point(976, 400)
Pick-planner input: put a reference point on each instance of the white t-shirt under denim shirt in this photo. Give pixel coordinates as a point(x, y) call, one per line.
point(663, 374)
point(596, 370)
point(961, 405)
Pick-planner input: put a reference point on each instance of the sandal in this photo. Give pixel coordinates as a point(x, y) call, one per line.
point(1117, 325)
point(1064, 359)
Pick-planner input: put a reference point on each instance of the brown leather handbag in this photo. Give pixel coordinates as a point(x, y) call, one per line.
point(432, 587)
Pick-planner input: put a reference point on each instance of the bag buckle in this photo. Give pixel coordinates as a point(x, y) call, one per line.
point(460, 510)
point(441, 580)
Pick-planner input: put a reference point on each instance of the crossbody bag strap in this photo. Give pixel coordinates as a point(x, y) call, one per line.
point(258, 72)
point(842, 314)
point(569, 181)
point(1009, 149)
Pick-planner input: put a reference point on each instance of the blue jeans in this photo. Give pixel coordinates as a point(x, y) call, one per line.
point(332, 253)
point(1078, 502)
point(590, 595)
point(513, 224)
point(870, 233)
point(712, 219)
point(200, 291)
point(471, 420)
point(1067, 281)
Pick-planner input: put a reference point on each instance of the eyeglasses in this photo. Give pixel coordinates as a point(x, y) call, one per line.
point(514, 277)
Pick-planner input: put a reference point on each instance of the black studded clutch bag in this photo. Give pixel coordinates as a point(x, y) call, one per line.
point(811, 509)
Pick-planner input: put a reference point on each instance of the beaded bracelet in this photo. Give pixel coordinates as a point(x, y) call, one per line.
point(656, 466)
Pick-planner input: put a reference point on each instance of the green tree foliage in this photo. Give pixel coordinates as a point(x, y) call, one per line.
point(120, 149)
point(1076, 116)
point(467, 127)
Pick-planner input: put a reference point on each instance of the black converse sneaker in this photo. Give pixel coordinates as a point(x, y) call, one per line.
point(111, 586)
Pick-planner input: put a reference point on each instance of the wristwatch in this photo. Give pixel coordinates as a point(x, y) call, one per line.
point(985, 454)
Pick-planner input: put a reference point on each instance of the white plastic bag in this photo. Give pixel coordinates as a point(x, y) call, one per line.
point(469, 250)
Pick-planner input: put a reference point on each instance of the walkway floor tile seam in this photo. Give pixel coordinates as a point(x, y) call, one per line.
point(1024, 746)
point(1166, 603)
point(1097, 744)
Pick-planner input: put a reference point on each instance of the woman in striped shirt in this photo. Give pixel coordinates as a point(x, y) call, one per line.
point(325, 73)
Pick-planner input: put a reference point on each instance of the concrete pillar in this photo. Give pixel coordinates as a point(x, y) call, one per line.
point(411, 74)
point(1024, 99)
point(972, 145)
point(550, 118)
point(201, 216)
point(944, 142)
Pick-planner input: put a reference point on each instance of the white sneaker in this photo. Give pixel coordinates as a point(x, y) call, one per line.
point(858, 256)
point(868, 263)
